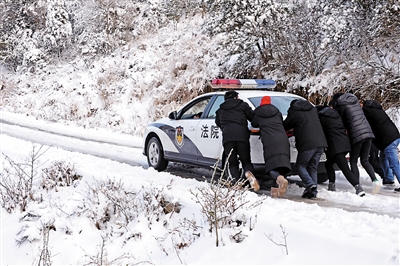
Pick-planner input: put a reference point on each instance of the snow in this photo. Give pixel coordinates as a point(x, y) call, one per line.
point(316, 234)
point(96, 108)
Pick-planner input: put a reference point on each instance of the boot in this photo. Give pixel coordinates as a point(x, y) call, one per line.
point(252, 180)
point(331, 186)
point(359, 190)
point(274, 192)
point(282, 185)
point(376, 186)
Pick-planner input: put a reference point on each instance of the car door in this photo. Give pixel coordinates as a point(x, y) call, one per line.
point(209, 136)
point(186, 131)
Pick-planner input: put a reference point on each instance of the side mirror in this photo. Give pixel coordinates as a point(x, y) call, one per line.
point(172, 115)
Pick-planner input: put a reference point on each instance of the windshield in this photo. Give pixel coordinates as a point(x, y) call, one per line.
point(281, 102)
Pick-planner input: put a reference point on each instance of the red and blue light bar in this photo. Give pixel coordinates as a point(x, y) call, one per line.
point(243, 84)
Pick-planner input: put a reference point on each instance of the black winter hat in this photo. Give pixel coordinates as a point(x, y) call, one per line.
point(230, 95)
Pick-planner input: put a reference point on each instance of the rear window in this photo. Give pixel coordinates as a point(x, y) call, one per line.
point(281, 102)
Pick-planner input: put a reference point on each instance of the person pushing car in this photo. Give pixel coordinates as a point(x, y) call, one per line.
point(232, 117)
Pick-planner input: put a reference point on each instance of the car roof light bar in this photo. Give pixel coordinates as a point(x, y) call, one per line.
point(243, 84)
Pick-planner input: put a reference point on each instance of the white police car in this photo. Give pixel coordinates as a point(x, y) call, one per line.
point(191, 136)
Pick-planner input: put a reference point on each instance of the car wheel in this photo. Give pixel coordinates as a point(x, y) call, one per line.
point(322, 177)
point(155, 155)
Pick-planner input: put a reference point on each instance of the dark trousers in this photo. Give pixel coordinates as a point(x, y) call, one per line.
point(240, 150)
point(340, 160)
point(274, 174)
point(374, 160)
point(361, 150)
point(307, 166)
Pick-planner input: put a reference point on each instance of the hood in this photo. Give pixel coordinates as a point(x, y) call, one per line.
point(372, 104)
point(329, 112)
point(347, 99)
point(230, 104)
point(266, 110)
point(301, 105)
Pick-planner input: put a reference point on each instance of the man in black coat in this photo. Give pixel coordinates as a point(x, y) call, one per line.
point(275, 144)
point(310, 142)
point(338, 147)
point(232, 117)
point(360, 134)
point(387, 136)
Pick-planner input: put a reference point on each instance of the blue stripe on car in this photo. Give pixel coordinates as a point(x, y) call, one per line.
point(188, 146)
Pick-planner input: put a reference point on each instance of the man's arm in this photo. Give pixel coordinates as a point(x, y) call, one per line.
point(288, 122)
point(249, 112)
point(217, 122)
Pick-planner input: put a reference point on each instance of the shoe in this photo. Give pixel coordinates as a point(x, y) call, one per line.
point(331, 186)
point(389, 183)
point(375, 186)
point(389, 186)
point(308, 192)
point(282, 185)
point(253, 181)
point(359, 190)
point(274, 192)
point(397, 189)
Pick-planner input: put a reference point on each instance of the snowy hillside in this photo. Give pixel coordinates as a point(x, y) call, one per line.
point(90, 63)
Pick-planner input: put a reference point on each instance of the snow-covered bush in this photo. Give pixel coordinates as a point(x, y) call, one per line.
point(59, 174)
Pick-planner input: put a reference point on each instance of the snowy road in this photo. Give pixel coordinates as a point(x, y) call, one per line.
point(128, 149)
point(114, 148)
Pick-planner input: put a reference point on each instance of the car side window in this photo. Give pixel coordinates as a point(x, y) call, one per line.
point(215, 106)
point(195, 110)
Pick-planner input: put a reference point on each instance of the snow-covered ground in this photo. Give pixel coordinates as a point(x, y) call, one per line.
point(137, 231)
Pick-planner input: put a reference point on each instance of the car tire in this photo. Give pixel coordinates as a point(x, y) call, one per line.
point(322, 177)
point(155, 155)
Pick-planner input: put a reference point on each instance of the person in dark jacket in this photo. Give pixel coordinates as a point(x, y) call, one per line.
point(275, 144)
point(232, 117)
point(310, 142)
point(360, 134)
point(338, 147)
point(387, 136)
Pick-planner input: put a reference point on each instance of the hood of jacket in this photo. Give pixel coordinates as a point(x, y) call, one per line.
point(230, 104)
point(347, 99)
point(266, 110)
point(372, 104)
point(329, 112)
point(301, 105)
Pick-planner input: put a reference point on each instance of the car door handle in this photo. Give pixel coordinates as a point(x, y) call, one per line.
point(191, 128)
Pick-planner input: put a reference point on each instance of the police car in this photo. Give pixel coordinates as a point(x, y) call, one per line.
point(190, 135)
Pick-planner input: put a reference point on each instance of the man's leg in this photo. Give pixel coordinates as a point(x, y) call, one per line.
point(230, 149)
point(330, 171)
point(354, 155)
point(341, 162)
point(388, 177)
point(245, 159)
point(281, 181)
point(375, 160)
point(312, 167)
point(302, 161)
point(391, 154)
point(364, 154)
point(243, 148)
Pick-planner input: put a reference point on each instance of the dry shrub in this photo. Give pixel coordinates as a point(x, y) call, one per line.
point(59, 174)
